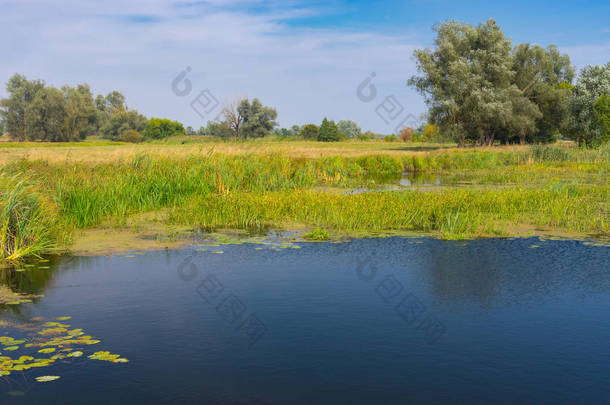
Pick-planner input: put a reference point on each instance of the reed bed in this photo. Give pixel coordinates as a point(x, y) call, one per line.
point(453, 213)
point(547, 186)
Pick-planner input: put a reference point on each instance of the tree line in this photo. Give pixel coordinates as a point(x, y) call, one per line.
point(34, 111)
point(480, 89)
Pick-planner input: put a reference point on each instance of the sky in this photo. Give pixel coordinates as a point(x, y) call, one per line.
point(184, 59)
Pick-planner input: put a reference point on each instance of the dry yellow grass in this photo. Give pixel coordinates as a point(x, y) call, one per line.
point(98, 152)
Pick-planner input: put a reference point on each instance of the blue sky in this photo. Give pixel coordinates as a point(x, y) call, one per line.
point(304, 58)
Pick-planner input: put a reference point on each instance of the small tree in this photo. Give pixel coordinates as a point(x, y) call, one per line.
point(406, 134)
point(328, 131)
point(430, 133)
point(309, 131)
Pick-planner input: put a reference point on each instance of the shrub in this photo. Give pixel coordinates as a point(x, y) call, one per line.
point(132, 136)
point(160, 128)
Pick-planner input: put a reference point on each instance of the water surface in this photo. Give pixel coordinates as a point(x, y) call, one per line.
point(370, 321)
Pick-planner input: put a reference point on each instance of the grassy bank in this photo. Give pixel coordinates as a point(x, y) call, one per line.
point(43, 201)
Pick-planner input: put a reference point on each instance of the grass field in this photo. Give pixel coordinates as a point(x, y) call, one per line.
point(50, 193)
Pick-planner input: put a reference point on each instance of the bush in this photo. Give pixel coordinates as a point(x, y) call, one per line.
point(132, 136)
point(390, 138)
point(160, 128)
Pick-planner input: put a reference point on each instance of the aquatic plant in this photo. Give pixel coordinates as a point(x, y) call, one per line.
point(49, 338)
point(317, 234)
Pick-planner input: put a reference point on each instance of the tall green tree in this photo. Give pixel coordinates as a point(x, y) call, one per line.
point(112, 103)
point(467, 82)
point(544, 76)
point(81, 115)
point(593, 83)
point(45, 116)
point(601, 117)
point(329, 132)
point(21, 93)
point(258, 120)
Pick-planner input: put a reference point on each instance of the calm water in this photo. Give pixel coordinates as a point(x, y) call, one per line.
point(370, 321)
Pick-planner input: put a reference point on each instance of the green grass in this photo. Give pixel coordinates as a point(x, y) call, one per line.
point(543, 186)
point(452, 213)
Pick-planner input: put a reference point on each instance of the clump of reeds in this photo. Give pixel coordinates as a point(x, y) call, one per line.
point(25, 227)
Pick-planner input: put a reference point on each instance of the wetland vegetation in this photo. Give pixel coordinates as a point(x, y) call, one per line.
point(509, 191)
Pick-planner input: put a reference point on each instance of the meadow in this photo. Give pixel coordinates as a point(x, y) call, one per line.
point(51, 193)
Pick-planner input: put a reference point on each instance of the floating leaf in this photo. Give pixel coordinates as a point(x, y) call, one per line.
point(49, 350)
point(75, 354)
point(47, 378)
point(63, 318)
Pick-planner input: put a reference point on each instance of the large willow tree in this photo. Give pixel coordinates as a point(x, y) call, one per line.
point(468, 83)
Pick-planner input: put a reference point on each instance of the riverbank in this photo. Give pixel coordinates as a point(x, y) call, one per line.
point(49, 204)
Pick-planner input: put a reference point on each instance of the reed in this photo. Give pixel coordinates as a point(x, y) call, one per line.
point(25, 221)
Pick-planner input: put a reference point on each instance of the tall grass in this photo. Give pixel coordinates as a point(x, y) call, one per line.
point(453, 213)
point(570, 192)
point(25, 221)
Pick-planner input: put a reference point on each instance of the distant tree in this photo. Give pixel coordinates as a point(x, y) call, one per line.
point(406, 134)
point(81, 115)
point(283, 132)
point(349, 128)
point(309, 131)
point(120, 121)
point(45, 115)
point(593, 83)
point(216, 128)
point(295, 130)
point(21, 93)
point(601, 117)
point(113, 103)
point(329, 132)
point(1, 127)
point(258, 120)
point(160, 128)
point(233, 117)
point(190, 131)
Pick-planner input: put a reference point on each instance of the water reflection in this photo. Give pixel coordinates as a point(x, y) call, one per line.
point(533, 311)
